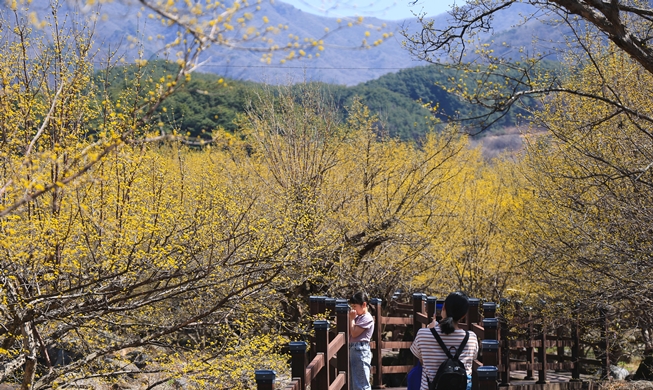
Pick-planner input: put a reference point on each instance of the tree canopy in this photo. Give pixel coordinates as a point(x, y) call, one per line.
point(121, 236)
point(590, 170)
point(119, 239)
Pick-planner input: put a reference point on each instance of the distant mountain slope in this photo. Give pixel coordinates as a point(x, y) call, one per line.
point(397, 98)
point(339, 64)
point(209, 102)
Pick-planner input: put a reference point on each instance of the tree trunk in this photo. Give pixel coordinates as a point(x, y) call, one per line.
point(29, 344)
point(645, 369)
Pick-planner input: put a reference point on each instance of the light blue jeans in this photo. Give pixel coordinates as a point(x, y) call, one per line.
point(360, 362)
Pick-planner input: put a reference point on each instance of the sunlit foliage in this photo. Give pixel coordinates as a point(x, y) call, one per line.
point(593, 184)
point(189, 254)
point(120, 237)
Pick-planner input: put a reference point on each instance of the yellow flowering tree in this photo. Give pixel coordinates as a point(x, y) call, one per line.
point(480, 250)
point(593, 181)
point(115, 244)
point(108, 244)
point(372, 213)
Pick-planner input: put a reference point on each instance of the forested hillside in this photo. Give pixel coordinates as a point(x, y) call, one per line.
point(208, 102)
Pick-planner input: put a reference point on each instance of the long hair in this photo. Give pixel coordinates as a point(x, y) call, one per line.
point(456, 306)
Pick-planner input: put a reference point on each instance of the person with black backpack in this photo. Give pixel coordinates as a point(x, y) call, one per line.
point(445, 351)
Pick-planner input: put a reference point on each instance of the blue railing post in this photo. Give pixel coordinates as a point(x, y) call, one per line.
point(473, 316)
point(491, 328)
point(299, 362)
point(418, 307)
point(377, 356)
point(265, 379)
point(321, 327)
point(487, 377)
point(430, 307)
point(317, 306)
point(342, 320)
point(489, 310)
point(330, 307)
point(342, 301)
point(490, 350)
point(330, 311)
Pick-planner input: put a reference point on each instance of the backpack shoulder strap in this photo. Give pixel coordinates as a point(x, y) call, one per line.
point(444, 347)
point(439, 340)
point(462, 346)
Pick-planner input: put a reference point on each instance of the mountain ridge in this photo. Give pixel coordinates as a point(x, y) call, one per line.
point(343, 62)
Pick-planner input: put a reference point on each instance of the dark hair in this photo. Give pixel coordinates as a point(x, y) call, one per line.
point(359, 298)
point(456, 306)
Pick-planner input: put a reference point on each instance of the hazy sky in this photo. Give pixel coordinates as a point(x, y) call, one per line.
point(383, 9)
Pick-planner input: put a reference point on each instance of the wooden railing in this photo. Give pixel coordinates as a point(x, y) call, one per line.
point(329, 356)
point(527, 338)
point(328, 368)
point(521, 344)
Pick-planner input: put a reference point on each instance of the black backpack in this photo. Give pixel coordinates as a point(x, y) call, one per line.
point(451, 374)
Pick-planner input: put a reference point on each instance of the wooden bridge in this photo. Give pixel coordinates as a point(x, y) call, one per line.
point(510, 351)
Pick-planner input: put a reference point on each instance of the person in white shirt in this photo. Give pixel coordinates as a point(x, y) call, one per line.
point(428, 351)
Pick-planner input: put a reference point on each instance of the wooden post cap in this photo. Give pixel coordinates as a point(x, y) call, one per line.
point(297, 346)
point(490, 345)
point(487, 373)
point(265, 376)
point(491, 323)
point(321, 325)
point(340, 307)
point(419, 296)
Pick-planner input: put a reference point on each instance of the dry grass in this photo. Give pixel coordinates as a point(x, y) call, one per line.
point(621, 385)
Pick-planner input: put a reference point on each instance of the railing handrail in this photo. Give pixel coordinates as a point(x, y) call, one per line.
point(492, 367)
